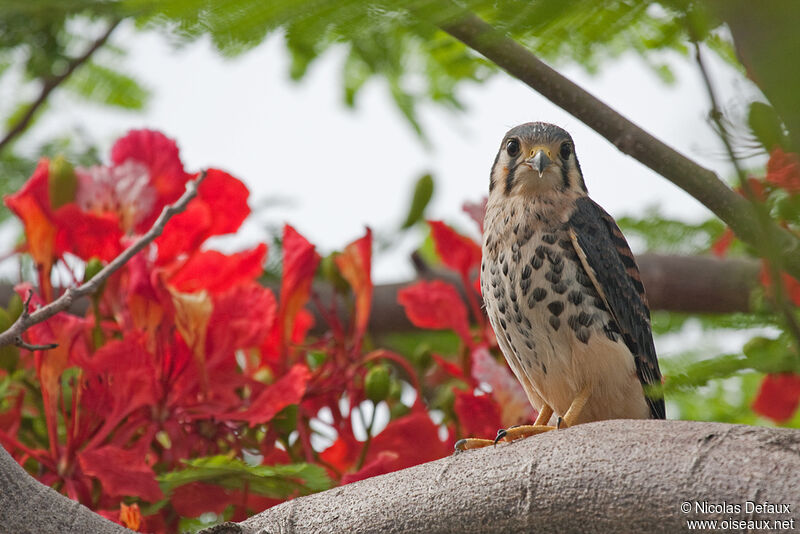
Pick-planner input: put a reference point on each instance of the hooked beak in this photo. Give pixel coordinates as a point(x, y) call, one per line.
point(539, 162)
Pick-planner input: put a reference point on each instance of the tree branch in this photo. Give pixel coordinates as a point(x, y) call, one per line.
point(49, 84)
point(14, 334)
point(612, 476)
point(701, 183)
point(29, 507)
point(689, 284)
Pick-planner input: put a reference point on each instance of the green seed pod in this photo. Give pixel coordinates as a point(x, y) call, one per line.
point(62, 182)
point(377, 383)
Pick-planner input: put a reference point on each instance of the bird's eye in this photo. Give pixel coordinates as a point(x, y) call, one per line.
point(566, 150)
point(512, 147)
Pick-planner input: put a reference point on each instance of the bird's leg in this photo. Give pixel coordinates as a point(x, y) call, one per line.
point(575, 409)
point(544, 416)
point(572, 415)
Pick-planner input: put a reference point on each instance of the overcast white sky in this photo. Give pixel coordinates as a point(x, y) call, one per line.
point(341, 169)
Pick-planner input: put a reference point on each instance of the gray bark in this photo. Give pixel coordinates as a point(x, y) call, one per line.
point(29, 507)
point(612, 476)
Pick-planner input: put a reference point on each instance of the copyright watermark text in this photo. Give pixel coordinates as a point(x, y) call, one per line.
point(773, 516)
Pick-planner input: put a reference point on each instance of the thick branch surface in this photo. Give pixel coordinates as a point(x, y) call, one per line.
point(701, 183)
point(614, 476)
point(49, 84)
point(14, 334)
point(29, 507)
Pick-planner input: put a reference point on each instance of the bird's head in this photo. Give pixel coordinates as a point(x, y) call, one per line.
point(536, 159)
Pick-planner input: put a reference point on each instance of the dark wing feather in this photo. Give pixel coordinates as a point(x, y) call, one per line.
point(602, 245)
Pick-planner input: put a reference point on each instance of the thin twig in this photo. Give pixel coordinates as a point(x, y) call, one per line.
point(27, 319)
point(703, 184)
point(766, 247)
point(49, 84)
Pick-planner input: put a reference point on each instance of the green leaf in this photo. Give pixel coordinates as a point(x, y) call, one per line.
point(661, 234)
point(423, 192)
point(766, 125)
point(103, 85)
point(275, 481)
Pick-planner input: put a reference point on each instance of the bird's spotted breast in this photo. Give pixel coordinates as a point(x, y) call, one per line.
point(538, 298)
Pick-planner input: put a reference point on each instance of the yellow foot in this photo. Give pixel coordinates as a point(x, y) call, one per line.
point(510, 434)
point(523, 431)
point(472, 443)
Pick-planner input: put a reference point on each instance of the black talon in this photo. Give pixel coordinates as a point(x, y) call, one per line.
point(460, 445)
point(558, 423)
point(500, 435)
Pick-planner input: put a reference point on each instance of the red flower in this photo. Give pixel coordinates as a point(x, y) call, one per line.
point(436, 305)
point(121, 472)
point(398, 447)
point(476, 211)
point(53, 231)
point(479, 414)
point(458, 252)
point(300, 261)
point(790, 285)
point(219, 208)
point(783, 170)
point(506, 389)
point(289, 389)
point(778, 396)
point(720, 247)
point(355, 264)
point(166, 179)
point(216, 272)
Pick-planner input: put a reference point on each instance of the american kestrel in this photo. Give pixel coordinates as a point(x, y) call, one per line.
point(562, 290)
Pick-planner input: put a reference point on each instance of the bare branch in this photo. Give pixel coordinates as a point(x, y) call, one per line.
point(49, 84)
point(14, 334)
point(703, 184)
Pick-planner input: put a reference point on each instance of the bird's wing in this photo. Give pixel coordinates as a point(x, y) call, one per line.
point(608, 261)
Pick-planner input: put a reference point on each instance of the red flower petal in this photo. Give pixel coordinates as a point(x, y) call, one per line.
point(216, 272)
point(506, 389)
point(160, 155)
point(783, 170)
point(184, 233)
point(476, 211)
point(791, 286)
point(384, 462)
point(242, 318)
point(344, 451)
point(778, 396)
point(197, 498)
point(288, 390)
point(300, 261)
point(720, 247)
point(479, 415)
point(227, 199)
point(32, 205)
point(448, 367)
point(435, 305)
point(458, 252)
point(87, 235)
point(121, 472)
point(355, 264)
point(413, 439)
